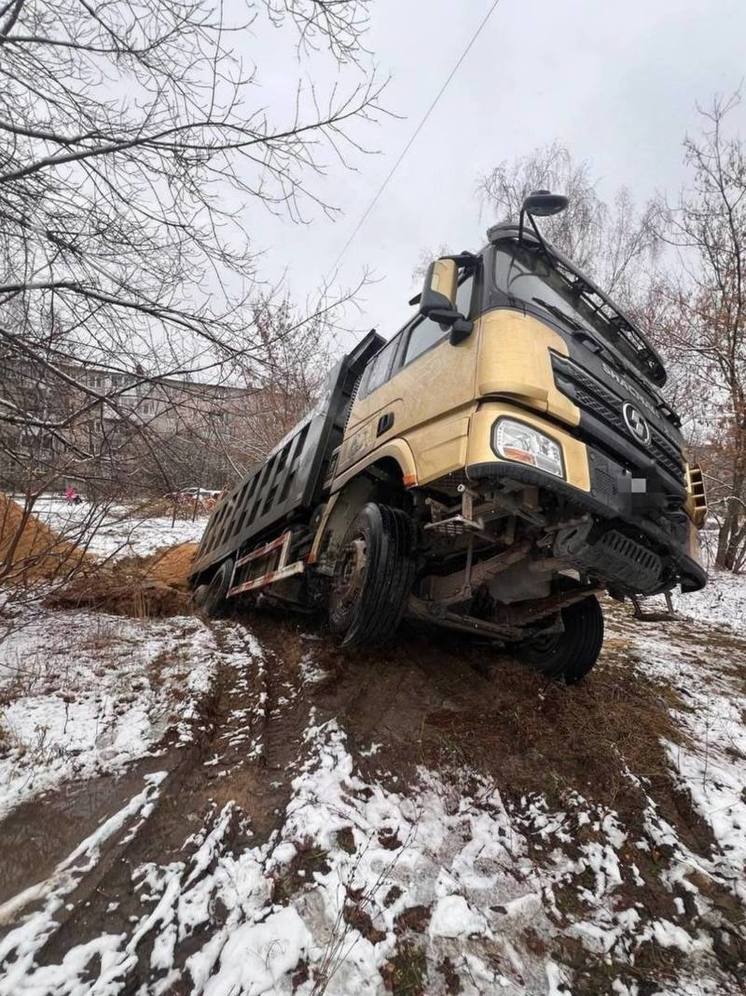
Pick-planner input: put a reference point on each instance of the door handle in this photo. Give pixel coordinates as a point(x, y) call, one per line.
point(384, 423)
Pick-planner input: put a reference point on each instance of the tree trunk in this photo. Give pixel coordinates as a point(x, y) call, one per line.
point(731, 539)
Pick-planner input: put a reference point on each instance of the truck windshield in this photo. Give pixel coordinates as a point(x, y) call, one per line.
point(528, 277)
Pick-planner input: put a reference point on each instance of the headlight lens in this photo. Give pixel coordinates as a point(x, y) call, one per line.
point(517, 441)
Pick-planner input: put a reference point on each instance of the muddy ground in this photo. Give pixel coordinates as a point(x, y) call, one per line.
point(573, 773)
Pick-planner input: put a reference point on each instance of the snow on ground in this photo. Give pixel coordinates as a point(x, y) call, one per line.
point(85, 693)
point(464, 863)
point(709, 673)
point(721, 603)
point(354, 882)
point(24, 942)
point(377, 864)
point(119, 532)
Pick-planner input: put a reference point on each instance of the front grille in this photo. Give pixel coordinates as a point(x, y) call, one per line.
point(594, 397)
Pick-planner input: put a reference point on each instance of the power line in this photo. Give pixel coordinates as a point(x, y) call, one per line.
point(416, 132)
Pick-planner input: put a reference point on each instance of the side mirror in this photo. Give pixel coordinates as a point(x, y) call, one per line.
point(438, 299)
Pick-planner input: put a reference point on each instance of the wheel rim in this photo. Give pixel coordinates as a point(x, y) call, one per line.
point(349, 573)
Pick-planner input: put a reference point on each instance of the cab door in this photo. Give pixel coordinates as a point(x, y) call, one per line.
point(419, 388)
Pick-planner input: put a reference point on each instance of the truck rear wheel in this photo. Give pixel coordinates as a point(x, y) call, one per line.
point(373, 576)
point(210, 597)
point(571, 654)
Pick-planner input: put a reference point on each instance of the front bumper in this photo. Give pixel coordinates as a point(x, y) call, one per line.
point(593, 483)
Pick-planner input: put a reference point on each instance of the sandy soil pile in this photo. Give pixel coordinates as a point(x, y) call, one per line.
point(142, 587)
point(172, 567)
point(31, 551)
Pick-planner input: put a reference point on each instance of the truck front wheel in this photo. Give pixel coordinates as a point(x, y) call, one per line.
point(373, 576)
point(572, 653)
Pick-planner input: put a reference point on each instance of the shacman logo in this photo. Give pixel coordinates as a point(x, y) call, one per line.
point(636, 424)
point(625, 384)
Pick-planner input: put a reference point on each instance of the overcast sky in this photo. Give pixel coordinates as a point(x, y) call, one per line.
point(617, 83)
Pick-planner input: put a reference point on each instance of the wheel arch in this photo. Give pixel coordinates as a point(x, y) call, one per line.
point(385, 474)
point(395, 457)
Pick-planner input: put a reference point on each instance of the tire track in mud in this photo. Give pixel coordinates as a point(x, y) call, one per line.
point(452, 706)
point(422, 703)
point(246, 736)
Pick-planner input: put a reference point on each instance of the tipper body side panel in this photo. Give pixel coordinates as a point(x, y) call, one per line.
point(289, 483)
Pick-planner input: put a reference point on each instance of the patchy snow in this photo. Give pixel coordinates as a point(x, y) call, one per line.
point(453, 917)
point(466, 873)
point(117, 530)
point(721, 603)
point(19, 947)
point(85, 693)
point(257, 956)
point(709, 672)
point(351, 876)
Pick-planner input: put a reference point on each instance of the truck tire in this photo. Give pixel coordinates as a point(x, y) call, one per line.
point(571, 654)
point(211, 597)
point(373, 576)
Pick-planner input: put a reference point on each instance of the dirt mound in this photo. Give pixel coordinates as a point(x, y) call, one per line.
point(122, 594)
point(31, 551)
point(141, 587)
point(172, 566)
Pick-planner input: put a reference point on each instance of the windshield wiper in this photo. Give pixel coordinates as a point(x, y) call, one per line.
point(553, 309)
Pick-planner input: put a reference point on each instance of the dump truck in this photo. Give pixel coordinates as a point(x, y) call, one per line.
point(497, 464)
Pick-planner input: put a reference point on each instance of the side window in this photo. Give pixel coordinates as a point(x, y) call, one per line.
point(376, 373)
point(427, 333)
point(423, 335)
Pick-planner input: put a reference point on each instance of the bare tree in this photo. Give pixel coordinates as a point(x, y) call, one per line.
point(297, 359)
point(705, 311)
point(132, 143)
point(612, 242)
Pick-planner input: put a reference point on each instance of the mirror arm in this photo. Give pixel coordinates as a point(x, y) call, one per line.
point(461, 329)
point(539, 236)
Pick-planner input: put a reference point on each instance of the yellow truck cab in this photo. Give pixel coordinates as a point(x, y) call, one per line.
point(492, 468)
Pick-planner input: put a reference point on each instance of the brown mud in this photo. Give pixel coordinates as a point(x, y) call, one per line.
point(142, 587)
point(429, 700)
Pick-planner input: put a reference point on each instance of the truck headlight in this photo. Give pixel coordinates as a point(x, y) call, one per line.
point(517, 441)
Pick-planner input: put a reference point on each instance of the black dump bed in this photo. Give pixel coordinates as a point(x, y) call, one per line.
point(289, 483)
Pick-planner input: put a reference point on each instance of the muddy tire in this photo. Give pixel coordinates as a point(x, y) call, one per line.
point(198, 595)
point(569, 655)
point(210, 598)
point(373, 576)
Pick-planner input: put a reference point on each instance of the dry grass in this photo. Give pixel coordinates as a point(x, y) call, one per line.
point(405, 973)
point(122, 593)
